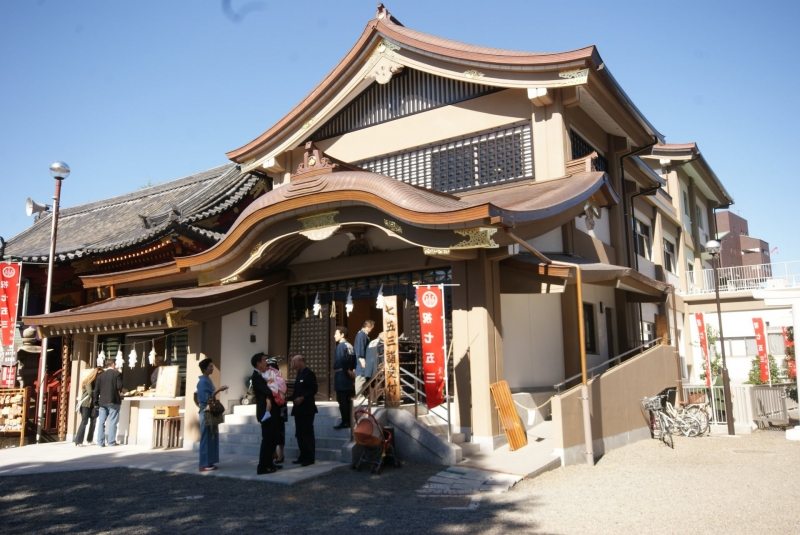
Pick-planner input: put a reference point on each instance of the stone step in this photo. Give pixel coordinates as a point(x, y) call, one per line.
point(290, 452)
point(468, 448)
point(321, 442)
point(246, 419)
point(324, 410)
point(255, 429)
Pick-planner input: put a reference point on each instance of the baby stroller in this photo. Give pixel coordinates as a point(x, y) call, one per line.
point(375, 443)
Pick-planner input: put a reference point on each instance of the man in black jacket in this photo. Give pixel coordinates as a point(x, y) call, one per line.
point(106, 396)
point(267, 412)
point(344, 366)
point(303, 410)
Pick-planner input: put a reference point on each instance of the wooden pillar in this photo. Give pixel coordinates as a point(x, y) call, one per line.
point(63, 397)
point(476, 319)
point(550, 139)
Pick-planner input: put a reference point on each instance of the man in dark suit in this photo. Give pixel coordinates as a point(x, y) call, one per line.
point(344, 365)
point(107, 397)
point(304, 408)
point(267, 413)
point(364, 368)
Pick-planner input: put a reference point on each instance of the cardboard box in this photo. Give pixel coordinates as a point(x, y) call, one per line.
point(165, 412)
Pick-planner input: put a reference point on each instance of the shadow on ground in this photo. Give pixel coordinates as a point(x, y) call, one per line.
point(122, 500)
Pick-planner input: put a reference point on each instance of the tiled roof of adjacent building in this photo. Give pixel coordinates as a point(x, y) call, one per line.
point(135, 218)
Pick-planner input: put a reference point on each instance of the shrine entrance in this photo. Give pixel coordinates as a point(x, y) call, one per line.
point(311, 335)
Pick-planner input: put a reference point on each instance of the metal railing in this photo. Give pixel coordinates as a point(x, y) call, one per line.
point(771, 404)
point(742, 278)
point(714, 397)
point(618, 358)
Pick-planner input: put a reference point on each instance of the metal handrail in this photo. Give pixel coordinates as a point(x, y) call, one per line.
point(565, 381)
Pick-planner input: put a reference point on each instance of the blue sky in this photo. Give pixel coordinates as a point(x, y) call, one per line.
point(131, 92)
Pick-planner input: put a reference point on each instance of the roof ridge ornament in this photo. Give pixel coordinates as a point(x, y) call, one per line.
point(383, 15)
point(315, 162)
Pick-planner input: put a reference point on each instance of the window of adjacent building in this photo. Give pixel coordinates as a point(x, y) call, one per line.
point(775, 344)
point(588, 328)
point(699, 216)
point(669, 256)
point(648, 331)
point(481, 159)
point(642, 239)
point(685, 203)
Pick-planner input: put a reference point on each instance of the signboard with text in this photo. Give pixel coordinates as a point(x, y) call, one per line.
point(761, 346)
point(9, 296)
point(391, 355)
point(431, 324)
point(701, 333)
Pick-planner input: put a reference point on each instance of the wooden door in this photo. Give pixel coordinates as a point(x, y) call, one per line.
point(312, 337)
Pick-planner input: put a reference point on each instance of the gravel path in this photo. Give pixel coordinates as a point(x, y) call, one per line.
point(732, 485)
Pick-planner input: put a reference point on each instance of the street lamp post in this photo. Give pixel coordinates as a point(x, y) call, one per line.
point(713, 248)
point(59, 171)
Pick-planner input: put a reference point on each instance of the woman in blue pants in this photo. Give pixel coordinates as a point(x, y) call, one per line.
point(209, 436)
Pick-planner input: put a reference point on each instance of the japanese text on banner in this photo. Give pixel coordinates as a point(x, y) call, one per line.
point(431, 322)
point(701, 333)
point(9, 296)
point(761, 345)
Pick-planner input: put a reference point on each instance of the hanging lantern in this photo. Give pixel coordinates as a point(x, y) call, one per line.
point(101, 358)
point(152, 356)
point(348, 306)
point(379, 302)
point(132, 357)
point(317, 306)
point(120, 360)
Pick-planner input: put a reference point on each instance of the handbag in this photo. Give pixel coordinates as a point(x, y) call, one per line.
point(212, 420)
point(215, 407)
point(95, 412)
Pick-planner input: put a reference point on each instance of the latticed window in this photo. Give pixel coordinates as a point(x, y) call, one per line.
point(472, 161)
point(581, 148)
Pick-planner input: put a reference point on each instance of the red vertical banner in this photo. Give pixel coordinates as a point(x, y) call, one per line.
point(9, 296)
point(789, 343)
point(761, 345)
point(9, 376)
point(701, 333)
point(431, 323)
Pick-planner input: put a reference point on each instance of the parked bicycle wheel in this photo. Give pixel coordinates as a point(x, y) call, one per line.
point(702, 416)
point(666, 432)
point(691, 425)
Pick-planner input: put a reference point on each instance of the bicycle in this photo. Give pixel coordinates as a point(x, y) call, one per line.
point(659, 425)
point(683, 421)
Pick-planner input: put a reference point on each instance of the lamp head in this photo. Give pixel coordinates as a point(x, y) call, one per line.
point(59, 170)
point(712, 247)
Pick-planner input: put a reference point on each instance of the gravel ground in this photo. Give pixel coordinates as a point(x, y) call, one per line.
point(709, 485)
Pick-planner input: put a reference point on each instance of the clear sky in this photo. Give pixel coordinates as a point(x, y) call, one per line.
point(131, 92)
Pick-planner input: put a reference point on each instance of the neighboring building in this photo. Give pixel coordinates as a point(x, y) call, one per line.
point(738, 247)
point(423, 160)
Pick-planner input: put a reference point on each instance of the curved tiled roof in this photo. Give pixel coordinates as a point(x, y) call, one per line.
point(135, 218)
point(518, 202)
point(423, 42)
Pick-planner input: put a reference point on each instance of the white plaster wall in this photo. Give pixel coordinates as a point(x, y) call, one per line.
point(595, 295)
point(533, 345)
point(736, 325)
point(237, 349)
point(601, 230)
point(548, 243)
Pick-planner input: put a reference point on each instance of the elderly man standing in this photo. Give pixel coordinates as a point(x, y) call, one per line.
point(304, 408)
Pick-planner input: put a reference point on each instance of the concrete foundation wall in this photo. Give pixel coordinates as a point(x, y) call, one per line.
point(614, 397)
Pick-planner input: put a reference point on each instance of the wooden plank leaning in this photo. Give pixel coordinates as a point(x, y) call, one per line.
point(508, 416)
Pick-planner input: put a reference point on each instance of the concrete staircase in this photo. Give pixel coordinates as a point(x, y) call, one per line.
point(241, 433)
point(435, 422)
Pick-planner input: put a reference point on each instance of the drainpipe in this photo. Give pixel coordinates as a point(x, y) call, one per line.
point(679, 397)
point(587, 415)
point(627, 216)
